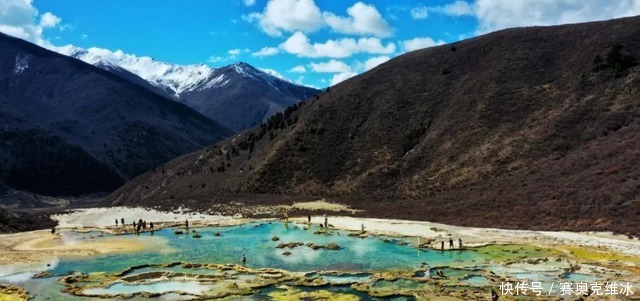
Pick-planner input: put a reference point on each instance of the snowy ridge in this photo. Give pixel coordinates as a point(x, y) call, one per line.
point(247, 70)
point(177, 79)
point(276, 74)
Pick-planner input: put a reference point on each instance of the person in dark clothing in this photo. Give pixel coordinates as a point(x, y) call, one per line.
point(460, 243)
point(450, 243)
point(134, 225)
point(122, 221)
point(244, 260)
point(442, 245)
point(309, 219)
point(494, 296)
point(116, 222)
point(186, 222)
point(151, 225)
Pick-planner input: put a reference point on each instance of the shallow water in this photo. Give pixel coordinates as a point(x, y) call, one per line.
point(476, 280)
point(191, 287)
point(357, 256)
point(254, 240)
point(346, 279)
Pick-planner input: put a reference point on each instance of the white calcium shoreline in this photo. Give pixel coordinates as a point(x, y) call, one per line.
point(471, 236)
point(105, 217)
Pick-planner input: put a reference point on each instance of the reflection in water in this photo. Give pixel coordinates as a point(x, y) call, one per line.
point(190, 287)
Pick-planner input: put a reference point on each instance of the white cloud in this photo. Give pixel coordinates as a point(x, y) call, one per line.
point(67, 27)
point(299, 45)
point(49, 20)
point(234, 52)
point(332, 66)
point(363, 19)
point(494, 14)
point(19, 18)
point(419, 12)
point(216, 59)
point(266, 51)
point(249, 2)
point(84, 36)
point(419, 43)
point(287, 15)
point(375, 61)
point(458, 8)
point(298, 69)
point(341, 77)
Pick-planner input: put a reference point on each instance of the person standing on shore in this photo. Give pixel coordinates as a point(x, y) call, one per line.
point(460, 242)
point(309, 219)
point(122, 221)
point(116, 222)
point(451, 243)
point(494, 296)
point(186, 222)
point(326, 222)
point(151, 226)
point(244, 260)
point(442, 245)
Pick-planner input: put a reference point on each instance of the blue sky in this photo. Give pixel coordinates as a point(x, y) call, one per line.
point(313, 42)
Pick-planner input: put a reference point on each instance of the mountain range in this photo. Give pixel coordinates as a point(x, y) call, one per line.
point(534, 128)
point(238, 96)
point(70, 128)
point(81, 123)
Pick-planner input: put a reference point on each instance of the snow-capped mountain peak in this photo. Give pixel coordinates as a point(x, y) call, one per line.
point(238, 95)
point(172, 77)
point(276, 74)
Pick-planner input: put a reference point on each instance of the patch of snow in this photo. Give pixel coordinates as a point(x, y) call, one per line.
point(247, 70)
point(276, 74)
point(22, 63)
point(215, 82)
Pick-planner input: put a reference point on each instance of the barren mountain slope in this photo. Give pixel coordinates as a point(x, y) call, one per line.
point(525, 128)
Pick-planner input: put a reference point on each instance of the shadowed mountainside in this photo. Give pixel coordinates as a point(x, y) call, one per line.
point(67, 127)
point(535, 128)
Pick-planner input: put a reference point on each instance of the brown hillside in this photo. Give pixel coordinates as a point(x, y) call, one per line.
point(522, 128)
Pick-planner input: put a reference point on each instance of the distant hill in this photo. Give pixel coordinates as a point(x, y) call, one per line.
point(522, 128)
point(11, 222)
point(238, 96)
point(68, 128)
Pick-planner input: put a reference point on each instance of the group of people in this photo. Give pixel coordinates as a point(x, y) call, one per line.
point(451, 246)
point(325, 224)
point(137, 227)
